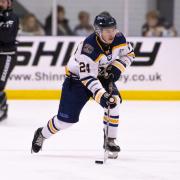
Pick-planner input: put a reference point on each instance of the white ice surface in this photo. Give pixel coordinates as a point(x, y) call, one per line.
point(149, 136)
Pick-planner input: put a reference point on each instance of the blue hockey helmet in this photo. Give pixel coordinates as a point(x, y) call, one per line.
point(104, 20)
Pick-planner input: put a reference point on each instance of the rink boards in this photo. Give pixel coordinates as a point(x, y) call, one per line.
point(40, 71)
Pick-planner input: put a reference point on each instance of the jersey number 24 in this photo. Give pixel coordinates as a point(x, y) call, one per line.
point(84, 67)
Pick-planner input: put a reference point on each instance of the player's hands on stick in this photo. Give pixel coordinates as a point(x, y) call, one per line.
point(108, 74)
point(112, 74)
point(108, 100)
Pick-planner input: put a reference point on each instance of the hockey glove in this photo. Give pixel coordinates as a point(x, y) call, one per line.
point(112, 73)
point(106, 100)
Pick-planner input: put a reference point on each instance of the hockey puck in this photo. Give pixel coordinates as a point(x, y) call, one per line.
point(98, 162)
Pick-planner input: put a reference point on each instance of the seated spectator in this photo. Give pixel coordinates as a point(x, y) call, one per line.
point(84, 28)
point(154, 27)
point(30, 26)
point(170, 29)
point(63, 28)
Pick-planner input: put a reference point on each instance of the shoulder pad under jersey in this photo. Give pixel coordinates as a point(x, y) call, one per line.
point(91, 48)
point(119, 40)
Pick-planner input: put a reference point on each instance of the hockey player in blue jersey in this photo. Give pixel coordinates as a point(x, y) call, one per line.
point(99, 60)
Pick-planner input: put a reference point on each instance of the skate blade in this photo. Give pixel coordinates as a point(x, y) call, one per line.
point(113, 155)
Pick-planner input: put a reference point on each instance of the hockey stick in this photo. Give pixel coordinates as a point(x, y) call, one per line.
point(107, 125)
point(106, 152)
point(106, 136)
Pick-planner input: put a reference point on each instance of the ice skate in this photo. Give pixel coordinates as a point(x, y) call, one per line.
point(111, 146)
point(37, 141)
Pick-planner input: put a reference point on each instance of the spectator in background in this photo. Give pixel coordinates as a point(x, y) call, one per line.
point(154, 27)
point(63, 28)
point(170, 29)
point(84, 28)
point(30, 26)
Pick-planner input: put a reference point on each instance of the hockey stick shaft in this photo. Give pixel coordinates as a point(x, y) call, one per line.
point(107, 125)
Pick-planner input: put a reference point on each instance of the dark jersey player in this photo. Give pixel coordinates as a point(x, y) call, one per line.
point(98, 60)
point(9, 24)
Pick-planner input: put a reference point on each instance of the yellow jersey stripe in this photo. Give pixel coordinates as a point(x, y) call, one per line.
point(67, 71)
point(119, 46)
point(99, 95)
point(131, 54)
point(119, 66)
point(99, 58)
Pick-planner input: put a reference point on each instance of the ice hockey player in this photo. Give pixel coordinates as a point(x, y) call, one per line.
point(9, 24)
point(97, 61)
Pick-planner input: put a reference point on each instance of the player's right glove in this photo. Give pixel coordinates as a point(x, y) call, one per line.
point(112, 73)
point(105, 99)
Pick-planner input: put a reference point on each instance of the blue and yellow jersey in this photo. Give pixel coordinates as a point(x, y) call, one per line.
point(90, 60)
